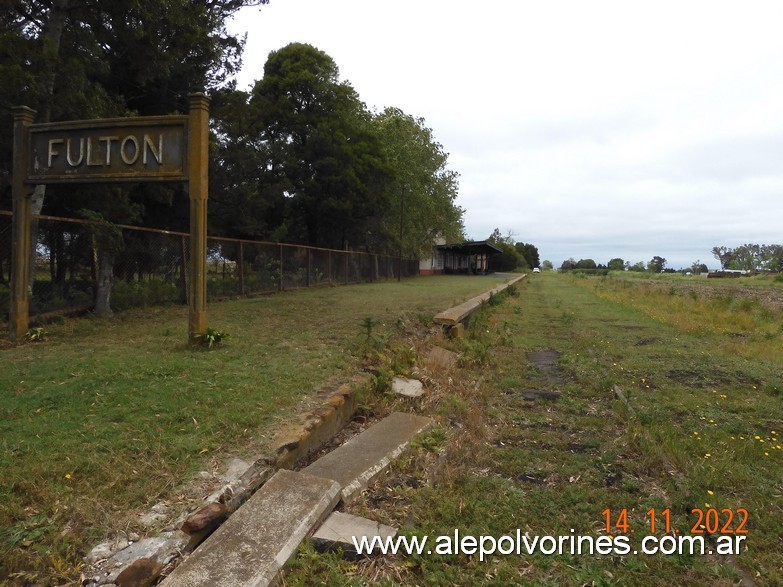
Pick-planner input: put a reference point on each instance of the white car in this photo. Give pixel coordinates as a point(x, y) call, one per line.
point(536, 270)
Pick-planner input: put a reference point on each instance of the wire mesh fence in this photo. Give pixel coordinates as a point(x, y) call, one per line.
point(150, 267)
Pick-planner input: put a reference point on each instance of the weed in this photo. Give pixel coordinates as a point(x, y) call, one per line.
point(432, 440)
point(494, 299)
point(368, 323)
point(454, 408)
point(473, 353)
point(36, 334)
point(211, 337)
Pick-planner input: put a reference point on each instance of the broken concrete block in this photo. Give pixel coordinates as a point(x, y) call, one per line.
point(251, 547)
point(340, 530)
point(407, 387)
point(106, 550)
point(356, 463)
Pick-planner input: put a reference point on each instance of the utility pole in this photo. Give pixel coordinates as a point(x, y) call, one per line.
point(402, 216)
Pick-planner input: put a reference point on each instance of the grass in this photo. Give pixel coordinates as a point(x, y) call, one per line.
point(701, 431)
point(745, 320)
point(103, 418)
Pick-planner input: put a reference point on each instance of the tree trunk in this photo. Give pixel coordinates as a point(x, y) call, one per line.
point(103, 289)
point(52, 35)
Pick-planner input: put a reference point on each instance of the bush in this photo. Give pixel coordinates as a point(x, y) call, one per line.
point(154, 292)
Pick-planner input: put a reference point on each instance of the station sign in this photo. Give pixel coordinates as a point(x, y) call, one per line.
point(152, 148)
point(110, 150)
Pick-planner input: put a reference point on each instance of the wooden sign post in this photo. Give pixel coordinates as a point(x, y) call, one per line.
point(118, 150)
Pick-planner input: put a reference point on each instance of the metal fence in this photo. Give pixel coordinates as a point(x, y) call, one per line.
point(151, 267)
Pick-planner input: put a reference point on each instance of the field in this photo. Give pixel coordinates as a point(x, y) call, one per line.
point(767, 289)
point(594, 407)
point(103, 418)
point(579, 407)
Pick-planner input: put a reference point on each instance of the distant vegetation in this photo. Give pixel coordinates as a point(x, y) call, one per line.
point(515, 255)
point(748, 257)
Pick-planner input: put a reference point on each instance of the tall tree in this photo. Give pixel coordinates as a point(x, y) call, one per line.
point(568, 264)
point(89, 58)
point(616, 264)
point(422, 187)
point(321, 154)
point(723, 255)
point(529, 252)
point(656, 264)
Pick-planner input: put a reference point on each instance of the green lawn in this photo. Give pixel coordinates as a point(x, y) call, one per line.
point(105, 417)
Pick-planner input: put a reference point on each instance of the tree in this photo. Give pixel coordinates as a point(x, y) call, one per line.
point(773, 257)
point(496, 237)
point(586, 264)
point(616, 264)
point(697, 268)
point(89, 59)
point(305, 162)
point(509, 258)
point(746, 257)
point(546, 265)
point(319, 147)
point(529, 252)
point(750, 257)
point(656, 264)
point(421, 185)
point(568, 264)
point(723, 255)
point(637, 267)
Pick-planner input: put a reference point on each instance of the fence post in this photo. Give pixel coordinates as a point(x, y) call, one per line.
point(281, 284)
point(19, 311)
point(308, 266)
point(198, 191)
point(346, 267)
point(241, 268)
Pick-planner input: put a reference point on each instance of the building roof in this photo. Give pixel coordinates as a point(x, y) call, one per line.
point(470, 248)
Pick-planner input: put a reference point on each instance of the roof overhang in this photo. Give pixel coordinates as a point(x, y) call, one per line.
point(470, 248)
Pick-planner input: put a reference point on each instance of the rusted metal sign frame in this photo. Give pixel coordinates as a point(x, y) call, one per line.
point(127, 150)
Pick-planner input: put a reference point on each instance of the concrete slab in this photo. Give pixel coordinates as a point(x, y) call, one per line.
point(357, 462)
point(457, 314)
point(340, 529)
point(251, 547)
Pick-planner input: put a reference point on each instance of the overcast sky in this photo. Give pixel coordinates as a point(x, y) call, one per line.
point(590, 129)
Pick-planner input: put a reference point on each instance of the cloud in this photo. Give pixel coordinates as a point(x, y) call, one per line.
point(591, 129)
